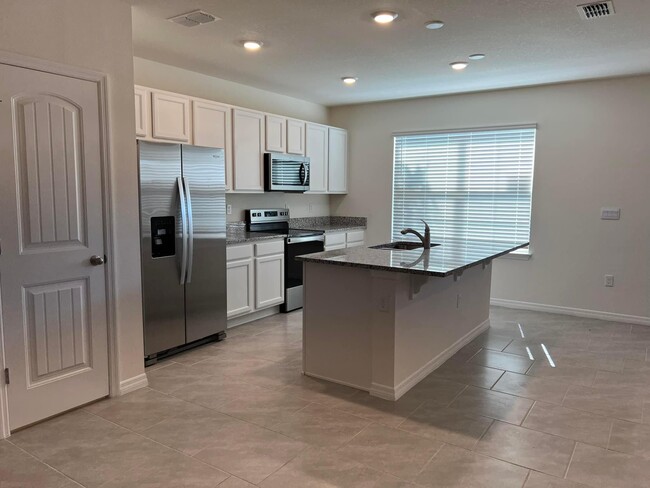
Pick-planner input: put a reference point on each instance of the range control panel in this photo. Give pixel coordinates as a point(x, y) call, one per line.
point(260, 215)
point(163, 242)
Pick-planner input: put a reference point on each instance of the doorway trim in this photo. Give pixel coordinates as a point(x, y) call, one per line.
point(101, 80)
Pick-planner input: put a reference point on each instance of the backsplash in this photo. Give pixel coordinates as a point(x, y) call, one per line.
point(331, 221)
point(300, 204)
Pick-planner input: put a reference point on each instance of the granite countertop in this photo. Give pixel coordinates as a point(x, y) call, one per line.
point(443, 260)
point(237, 234)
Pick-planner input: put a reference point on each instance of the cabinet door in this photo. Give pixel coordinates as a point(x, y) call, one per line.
point(171, 116)
point(276, 134)
point(248, 151)
point(316, 149)
point(269, 281)
point(142, 112)
point(337, 176)
point(355, 238)
point(212, 127)
point(240, 279)
point(296, 137)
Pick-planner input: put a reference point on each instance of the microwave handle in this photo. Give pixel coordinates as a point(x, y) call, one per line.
point(303, 174)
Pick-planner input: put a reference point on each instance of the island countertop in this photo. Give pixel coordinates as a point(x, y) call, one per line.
point(445, 259)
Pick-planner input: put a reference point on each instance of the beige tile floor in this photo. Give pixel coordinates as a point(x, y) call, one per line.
point(239, 414)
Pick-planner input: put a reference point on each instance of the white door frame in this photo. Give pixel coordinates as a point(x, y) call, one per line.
point(100, 79)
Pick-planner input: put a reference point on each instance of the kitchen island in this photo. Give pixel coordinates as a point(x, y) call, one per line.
point(381, 320)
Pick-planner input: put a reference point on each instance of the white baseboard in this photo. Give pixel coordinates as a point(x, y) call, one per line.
point(576, 312)
point(250, 317)
point(338, 382)
point(389, 393)
point(132, 384)
point(392, 394)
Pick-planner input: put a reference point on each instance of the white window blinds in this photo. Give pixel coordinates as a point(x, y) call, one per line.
point(474, 184)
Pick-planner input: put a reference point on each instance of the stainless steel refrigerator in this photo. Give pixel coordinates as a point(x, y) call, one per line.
point(183, 246)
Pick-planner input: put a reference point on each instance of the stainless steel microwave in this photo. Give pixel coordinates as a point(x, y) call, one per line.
point(286, 172)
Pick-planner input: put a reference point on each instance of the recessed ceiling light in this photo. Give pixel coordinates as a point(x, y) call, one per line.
point(349, 80)
point(253, 45)
point(458, 65)
point(476, 57)
point(384, 17)
point(434, 24)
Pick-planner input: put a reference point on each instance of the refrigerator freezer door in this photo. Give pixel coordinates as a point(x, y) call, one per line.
point(163, 293)
point(205, 290)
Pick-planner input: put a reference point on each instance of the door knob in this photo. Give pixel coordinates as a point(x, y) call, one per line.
point(97, 260)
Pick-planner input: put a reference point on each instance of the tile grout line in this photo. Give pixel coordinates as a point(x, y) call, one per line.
point(528, 413)
point(33, 456)
point(611, 429)
point(566, 471)
point(442, 445)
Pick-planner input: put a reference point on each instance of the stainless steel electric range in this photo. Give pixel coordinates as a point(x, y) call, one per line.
point(296, 243)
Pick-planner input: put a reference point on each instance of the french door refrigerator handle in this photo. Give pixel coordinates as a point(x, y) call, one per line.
point(181, 194)
point(190, 232)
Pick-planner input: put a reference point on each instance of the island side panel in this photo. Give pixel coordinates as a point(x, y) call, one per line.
point(433, 323)
point(336, 324)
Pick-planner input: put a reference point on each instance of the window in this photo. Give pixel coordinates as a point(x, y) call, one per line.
point(469, 184)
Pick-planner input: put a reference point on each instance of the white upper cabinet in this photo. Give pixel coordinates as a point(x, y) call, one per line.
point(212, 127)
point(296, 137)
point(245, 135)
point(248, 150)
point(276, 134)
point(316, 149)
point(142, 112)
point(337, 176)
point(171, 116)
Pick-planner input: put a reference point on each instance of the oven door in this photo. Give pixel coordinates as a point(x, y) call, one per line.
point(297, 246)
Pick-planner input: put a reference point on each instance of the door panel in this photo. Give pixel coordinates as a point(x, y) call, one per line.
point(53, 299)
point(240, 277)
point(205, 291)
point(269, 281)
point(316, 149)
point(248, 151)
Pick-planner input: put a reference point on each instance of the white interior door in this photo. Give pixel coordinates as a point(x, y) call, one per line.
point(53, 300)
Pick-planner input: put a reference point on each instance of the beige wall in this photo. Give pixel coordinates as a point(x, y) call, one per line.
point(96, 34)
point(593, 150)
point(171, 78)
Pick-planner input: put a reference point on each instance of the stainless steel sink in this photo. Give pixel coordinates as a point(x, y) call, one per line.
point(401, 245)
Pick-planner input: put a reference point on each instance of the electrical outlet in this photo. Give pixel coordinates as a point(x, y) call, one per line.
point(609, 280)
point(610, 213)
point(383, 304)
point(229, 209)
point(311, 207)
point(458, 301)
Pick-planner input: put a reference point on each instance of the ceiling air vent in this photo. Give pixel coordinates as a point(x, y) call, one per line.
point(192, 19)
point(590, 11)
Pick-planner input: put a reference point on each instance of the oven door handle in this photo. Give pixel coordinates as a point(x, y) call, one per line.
point(298, 240)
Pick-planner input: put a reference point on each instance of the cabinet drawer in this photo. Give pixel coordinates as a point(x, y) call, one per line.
point(356, 236)
point(243, 251)
point(268, 248)
point(335, 239)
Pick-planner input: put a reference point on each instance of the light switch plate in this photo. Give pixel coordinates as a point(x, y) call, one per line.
point(610, 213)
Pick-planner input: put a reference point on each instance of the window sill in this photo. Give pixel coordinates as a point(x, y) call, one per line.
point(519, 254)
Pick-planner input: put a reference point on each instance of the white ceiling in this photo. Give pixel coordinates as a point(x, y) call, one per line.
point(311, 44)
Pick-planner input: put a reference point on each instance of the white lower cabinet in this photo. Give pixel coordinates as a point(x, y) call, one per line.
point(342, 240)
point(355, 238)
point(255, 276)
point(240, 277)
point(269, 281)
